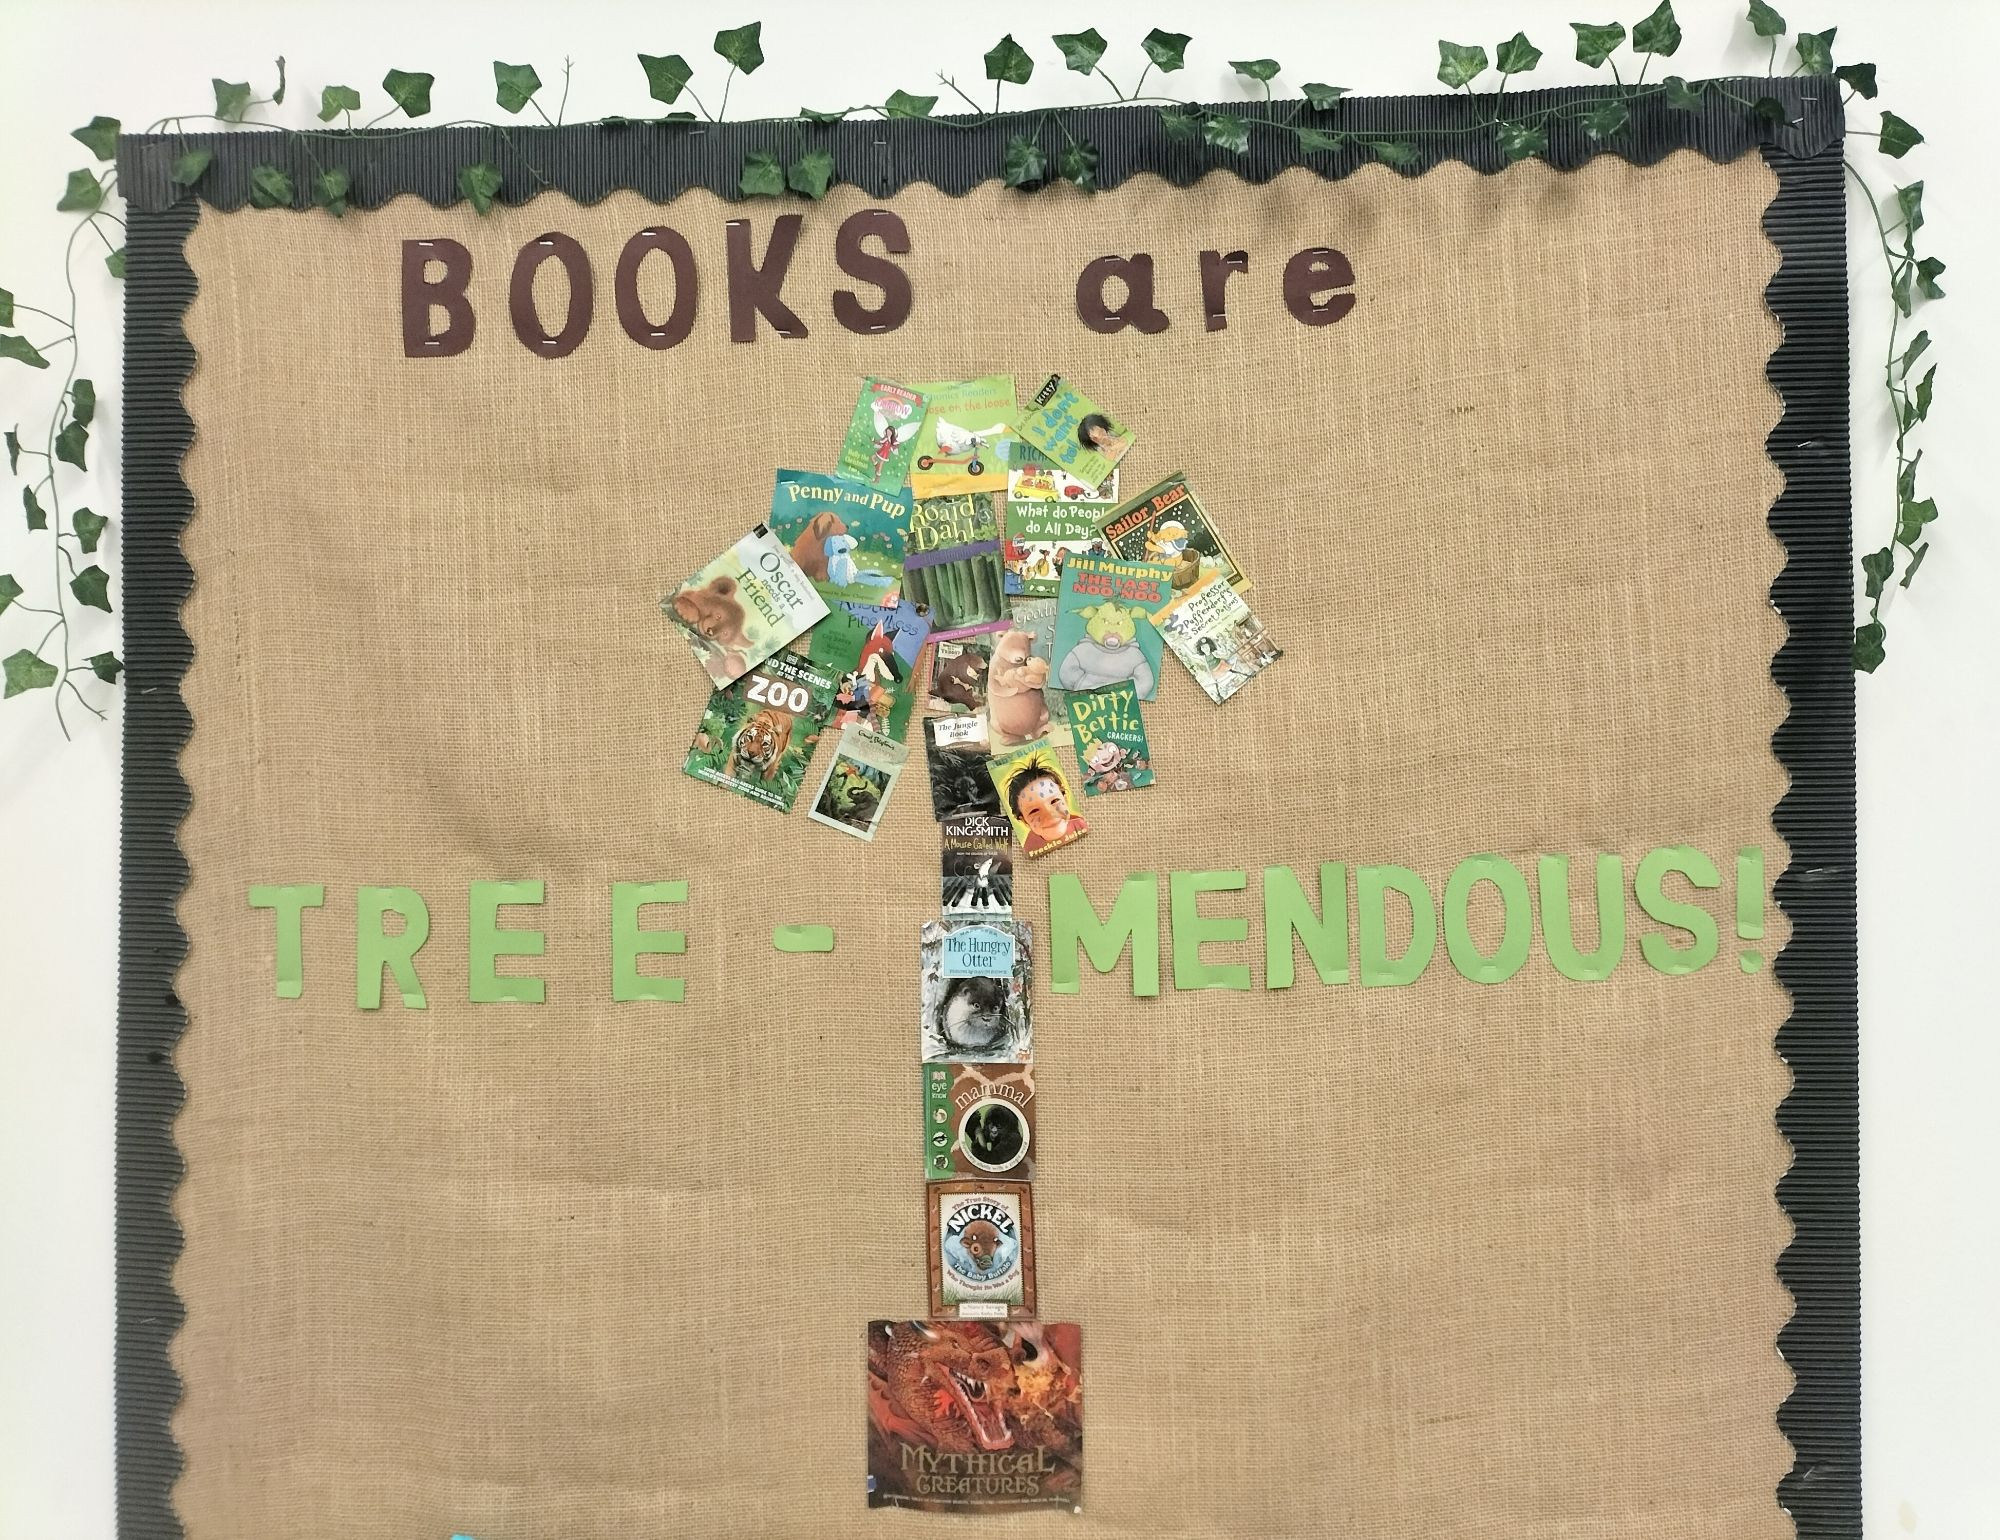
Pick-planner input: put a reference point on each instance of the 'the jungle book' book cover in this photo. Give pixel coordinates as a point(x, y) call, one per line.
point(854, 793)
point(1214, 633)
point(979, 1120)
point(952, 563)
point(846, 538)
point(1104, 627)
point(1110, 739)
point(976, 865)
point(963, 444)
point(881, 435)
point(1035, 795)
point(756, 736)
point(1073, 431)
point(1168, 523)
point(1042, 536)
point(743, 606)
point(872, 652)
point(955, 754)
point(973, 977)
point(975, 1416)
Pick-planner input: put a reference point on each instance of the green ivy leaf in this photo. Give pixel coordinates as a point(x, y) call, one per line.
point(9, 591)
point(514, 85)
point(1167, 50)
point(6, 307)
point(823, 117)
point(1180, 124)
point(675, 117)
point(1078, 164)
point(763, 175)
point(1764, 21)
point(1226, 132)
point(1394, 152)
point(1659, 33)
point(410, 90)
point(742, 46)
point(1924, 393)
point(190, 167)
point(83, 195)
point(1595, 43)
point(811, 174)
point(105, 666)
point(1313, 139)
point(1912, 518)
point(1520, 140)
point(1927, 276)
point(1906, 478)
point(71, 445)
point(335, 100)
point(27, 672)
point(90, 587)
point(99, 136)
point(667, 76)
point(1876, 566)
point(1460, 65)
point(1916, 561)
point(114, 262)
point(1868, 650)
point(480, 182)
point(1080, 50)
point(270, 188)
point(1321, 97)
point(1899, 291)
point(1007, 60)
point(1517, 55)
point(1682, 96)
point(37, 519)
point(903, 105)
point(1898, 136)
point(278, 95)
point(1256, 69)
point(1769, 111)
point(1816, 51)
point(1859, 76)
point(21, 350)
point(13, 451)
point(329, 190)
point(1910, 201)
point(1606, 119)
point(83, 401)
point(1024, 164)
point(89, 528)
point(232, 99)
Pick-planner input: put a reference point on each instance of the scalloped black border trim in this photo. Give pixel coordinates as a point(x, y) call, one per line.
point(1814, 592)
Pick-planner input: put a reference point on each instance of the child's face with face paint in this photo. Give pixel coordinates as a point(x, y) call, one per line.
point(1044, 807)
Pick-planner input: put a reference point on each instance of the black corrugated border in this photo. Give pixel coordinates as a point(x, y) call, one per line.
point(1814, 593)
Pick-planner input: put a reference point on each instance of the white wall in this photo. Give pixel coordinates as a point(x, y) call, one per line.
point(1930, 721)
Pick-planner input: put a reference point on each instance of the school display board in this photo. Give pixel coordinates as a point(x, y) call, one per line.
point(544, 959)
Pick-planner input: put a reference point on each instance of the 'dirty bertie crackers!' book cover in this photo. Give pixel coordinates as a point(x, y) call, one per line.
point(1109, 735)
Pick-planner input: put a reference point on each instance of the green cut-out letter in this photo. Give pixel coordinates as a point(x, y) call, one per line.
point(486, 943)
point(1193, 930)
point(629, 943)
point(1378, 968)
point(1692, 918)
point(1134, 921)
point(287, 904)
point(375, 950)
point(1552, 882)
point(1288, 913)
point(1517, 919)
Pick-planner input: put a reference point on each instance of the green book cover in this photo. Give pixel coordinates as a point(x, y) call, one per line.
point(845, 537)
point(1074, 431)
point(1104, 628)
point(881, 435)
point(962, 446)
point(1109, 734)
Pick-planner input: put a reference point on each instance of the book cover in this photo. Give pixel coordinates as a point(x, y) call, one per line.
point(854, 793)
point(979, 1120)
point(743, 606)
point(1017, 705)
point(973, 979)
point(1076, 434)
point(956, 685)
point(963, 443)
point(845, 537)
point(881, 435)
point(952, 564)
point(1215, 634)
point(1104, 627)
point(872, 650)
point(982, 1240)
point(1042, 536)
point(975, 1416)
point(1035, 794)
point(976, 865)
point(1109, 735)
point(1037, 618)
point(955, 754)
point(757, 735)
point(1033, 478)
point(1168, 523)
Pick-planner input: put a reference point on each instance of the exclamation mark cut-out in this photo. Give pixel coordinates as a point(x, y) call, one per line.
point(1750, 904)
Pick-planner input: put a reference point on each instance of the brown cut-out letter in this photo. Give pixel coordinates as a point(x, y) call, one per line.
point(423, 294)
point(1136, 309)
point(1215, 270)
point(856, 262)
point(1315, 271)
point(631, 312)
point(521, 295)
point(754, 289)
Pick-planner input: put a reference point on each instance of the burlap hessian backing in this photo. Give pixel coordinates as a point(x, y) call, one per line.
point(1448, 1260)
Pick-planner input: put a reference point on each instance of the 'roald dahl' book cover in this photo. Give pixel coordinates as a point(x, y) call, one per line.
point(952, 564)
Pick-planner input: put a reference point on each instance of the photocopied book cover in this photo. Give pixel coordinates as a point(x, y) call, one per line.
point(743, 606)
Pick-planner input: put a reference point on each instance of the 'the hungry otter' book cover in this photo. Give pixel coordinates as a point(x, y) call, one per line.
point(973, 984)
point(1104, 627)
point(975, 1416)
point(982, 1239)
point(743, 606)
point(757, 736)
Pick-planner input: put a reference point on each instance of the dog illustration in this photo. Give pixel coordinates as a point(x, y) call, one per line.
point(760, 745)
point(809, 550)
